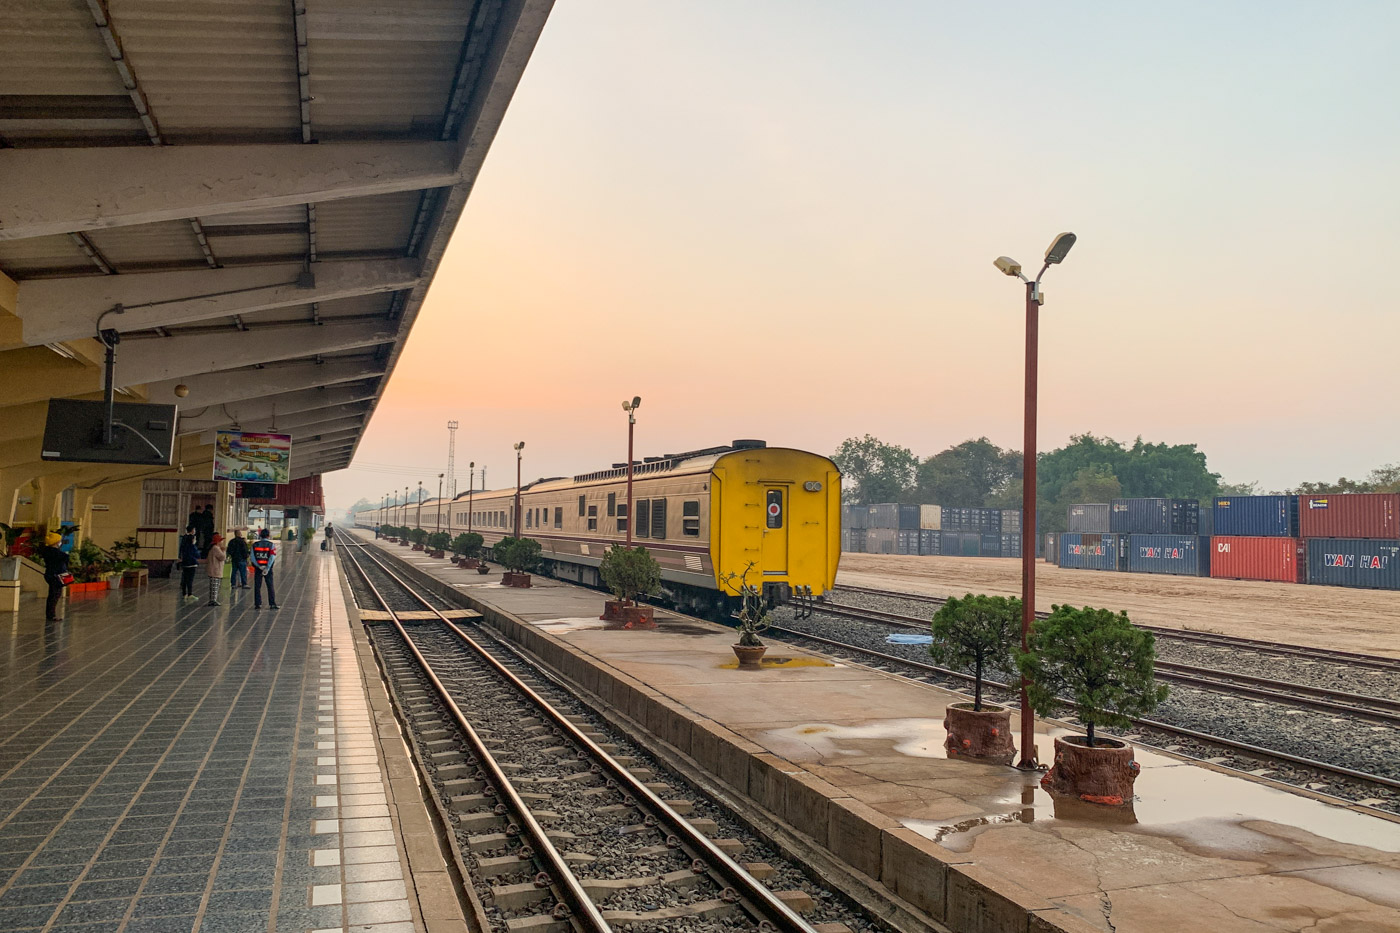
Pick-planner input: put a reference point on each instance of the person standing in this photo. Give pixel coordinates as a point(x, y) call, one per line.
point(215, 567)
point(206, 529)
point(238, 559)
point(264, 560)
point(55, 573)
point(189, 561)
point(330, 536)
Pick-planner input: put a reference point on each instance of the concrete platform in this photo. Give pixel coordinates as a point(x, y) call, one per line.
point(852, 759)
point(166, 766)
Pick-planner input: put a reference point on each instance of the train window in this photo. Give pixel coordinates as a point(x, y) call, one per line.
point(558, 517)
point(658, 518)
point(643, 518)
point(612, 503)
point(593, 524)
point(621, 517)
point(690, 518)
point(529, 519)
point(581, 500)
point(592, 511)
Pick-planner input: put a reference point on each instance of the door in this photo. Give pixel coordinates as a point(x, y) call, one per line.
point(775, 531)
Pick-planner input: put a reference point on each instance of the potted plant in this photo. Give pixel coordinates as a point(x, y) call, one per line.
point(418, 536)
point(9, 560)
point(1102, 664)
point(751, 620)
point(978, 632)
point(519, 556)
point(387, 532)
point(466, 546)
point(629, 573)
point(133, 571)
point(438, 543)
point(307, 533)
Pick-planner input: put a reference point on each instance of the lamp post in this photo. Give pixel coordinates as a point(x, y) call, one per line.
point(518, 448)
point(405, 506)
point(1034, 299)
point(418, 522)
point(471, 477)
point(631, 409)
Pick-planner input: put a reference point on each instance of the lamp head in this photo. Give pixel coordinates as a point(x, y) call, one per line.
point(1007, 265)
point(1059, 249)
point(520, 445)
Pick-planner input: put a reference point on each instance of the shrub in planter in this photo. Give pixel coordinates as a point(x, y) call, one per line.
point(467, 546)
point(418, 536)
point(978, 632)
point(629, 573)
point(519, 556)
point(751, 621)
point(437, 543)
point(1103, 665)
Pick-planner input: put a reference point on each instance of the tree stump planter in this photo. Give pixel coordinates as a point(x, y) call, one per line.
point(418, 547)
point(635, 616)
point(436, 555)
point(750, 656)
point(982, 735)
point(612, 610)
point(1101, 775)
point(483, 569)
point(511, 578)
point(471, 563)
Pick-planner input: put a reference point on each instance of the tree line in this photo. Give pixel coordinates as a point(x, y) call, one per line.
point(1087, 469)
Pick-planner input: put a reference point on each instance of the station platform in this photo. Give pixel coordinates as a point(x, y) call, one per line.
point(168, 766)
point(852, 760)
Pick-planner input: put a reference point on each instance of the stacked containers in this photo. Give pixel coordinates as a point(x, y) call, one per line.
point(1352, 539)
point(930, 541)
point(1093, 551)
point(881, 540)
point(1183, 555)
point(1010, 545)
point(909, 518)
point(1361, 562)
point(906, 542)
point(990, 545)
point(882, 515)
point(1010, 521)
point(1256, 516)
point(1154, 516)
point(1354, 515)
point(1088, 518)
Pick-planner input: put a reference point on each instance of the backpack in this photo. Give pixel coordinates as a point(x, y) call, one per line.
point(264, 551)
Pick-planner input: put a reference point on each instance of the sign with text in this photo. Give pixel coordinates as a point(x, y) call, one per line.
point(240, 456)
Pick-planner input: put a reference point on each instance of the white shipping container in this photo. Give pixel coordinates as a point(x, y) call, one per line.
point(931, 517)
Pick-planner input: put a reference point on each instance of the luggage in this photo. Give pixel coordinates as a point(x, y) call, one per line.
point(323, 544)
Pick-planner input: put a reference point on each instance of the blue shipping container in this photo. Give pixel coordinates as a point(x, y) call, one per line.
point(1154, 516)
point(1093, 552)
point(1256, 516)
point(1362, 562)
point(1184, 555)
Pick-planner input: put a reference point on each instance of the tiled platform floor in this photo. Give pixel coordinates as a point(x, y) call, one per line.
point(166, 766)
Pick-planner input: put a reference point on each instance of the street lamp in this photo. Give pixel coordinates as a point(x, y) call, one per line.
point(418, 522)
point(471, 477)
point(631, 409)
point(518, 448)
point(438, 527)
point(405, 506)
point(1034, 299)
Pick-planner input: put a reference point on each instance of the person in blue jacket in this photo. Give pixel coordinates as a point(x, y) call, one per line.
point(189, 561)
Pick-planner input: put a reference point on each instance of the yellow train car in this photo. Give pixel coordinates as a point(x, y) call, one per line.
point(774, 512)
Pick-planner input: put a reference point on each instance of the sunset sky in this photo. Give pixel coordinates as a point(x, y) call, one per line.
point(778, 220)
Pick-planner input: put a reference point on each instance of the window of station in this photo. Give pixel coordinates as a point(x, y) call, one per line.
point(658, 518)
point(558, 517)
point(690, 518)
point(643, 518)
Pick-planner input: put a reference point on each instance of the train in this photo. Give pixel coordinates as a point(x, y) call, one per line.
point(707, 516)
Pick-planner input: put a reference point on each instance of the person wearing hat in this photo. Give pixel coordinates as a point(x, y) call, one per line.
point(189, 560)
point(55, 572)
point(214, 564)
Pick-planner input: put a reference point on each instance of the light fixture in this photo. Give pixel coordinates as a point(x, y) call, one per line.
point(1007, 265)
point(1058, 249)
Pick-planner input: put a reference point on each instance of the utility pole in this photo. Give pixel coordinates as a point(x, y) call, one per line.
point(631, 409)
point(418, 522)
point(518, 448)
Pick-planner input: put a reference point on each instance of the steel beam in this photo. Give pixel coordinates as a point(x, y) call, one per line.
point(66, 309)
point(274, 413)
point(315, 422)
point(237, 384)
point(152, 360)
point(54, 191)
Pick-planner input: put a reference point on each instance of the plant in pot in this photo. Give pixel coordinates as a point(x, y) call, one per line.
point(387, 532)
point(978, 632)
point(9, 557)
point(438, 543)
point(307, 533)
point(629, 573)
point(519, 556)
point(132, 570)
point(1102, 665)
point(751, 621)
point(467, 546)
point(418, 536)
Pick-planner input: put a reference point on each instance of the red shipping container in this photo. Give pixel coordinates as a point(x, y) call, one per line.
point(1278, 559)
point(1350, 515)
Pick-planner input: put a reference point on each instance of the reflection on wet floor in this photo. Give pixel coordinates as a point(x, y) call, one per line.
point(780, 663)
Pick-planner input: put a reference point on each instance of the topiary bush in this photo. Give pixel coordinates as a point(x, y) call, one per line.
point(417, 535)
point(977, 632)
point(439, 541)
point(630, 572)
point(518, 555)
point(1095, 658)
point(467, 544)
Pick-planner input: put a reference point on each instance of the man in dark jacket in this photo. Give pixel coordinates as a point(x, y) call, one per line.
point(188, 561)
point(55, 566)
point(238, 560)
point(264, 559)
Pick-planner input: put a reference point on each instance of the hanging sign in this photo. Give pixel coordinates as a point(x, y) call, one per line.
point(255, 458)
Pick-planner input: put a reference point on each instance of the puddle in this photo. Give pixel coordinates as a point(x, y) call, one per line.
point(780, 663)
point(919, 738)
point(569, 625)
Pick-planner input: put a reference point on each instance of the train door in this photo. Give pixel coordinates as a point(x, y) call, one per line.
point(775, 531)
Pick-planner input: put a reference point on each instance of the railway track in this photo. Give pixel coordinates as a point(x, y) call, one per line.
point(1379, 710)
point(1372, 661)
point(511, 765)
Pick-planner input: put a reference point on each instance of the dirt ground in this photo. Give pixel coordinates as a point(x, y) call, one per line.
point(1318, 616)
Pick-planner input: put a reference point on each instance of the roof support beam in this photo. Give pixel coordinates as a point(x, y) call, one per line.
point(53, 191)
point(66, 309)
point(239, 384)
point(310, 423)
point(256, 417)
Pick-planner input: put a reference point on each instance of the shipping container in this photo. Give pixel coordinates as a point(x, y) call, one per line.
point(991, 545)
point(1010, 545)
point(1050, 548)
point(1154, 516)
point(1360, 562)
point(880, 540)
point(1010, 521)
point(1093, 551)
point(982, 521)
point(1255, 516)
point(1205, 526)
point(1351, 515)
point(882, 515)
point(961, 544)
point(930, 542)
point(856, 516)
point(1182, 555)
point(907, 542)
point(1088, 517)
point(930, 517)
point(1281, 560)
point(909, 518)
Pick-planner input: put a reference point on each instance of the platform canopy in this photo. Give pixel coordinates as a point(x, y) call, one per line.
point(264, 188)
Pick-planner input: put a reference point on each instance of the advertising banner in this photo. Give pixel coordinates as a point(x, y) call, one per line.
point(254, 458)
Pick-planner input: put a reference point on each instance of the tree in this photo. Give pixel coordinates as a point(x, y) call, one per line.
point(967, 474)
point(977, 632)
point(630, 572)
point(417, 535)
point(1250, 488)
point(1381, 479)
point(467, 544)
point(1089, 484)
point(1097, 660)
point(363, 505)
point(519, 555)
point(874, 471)
point(439, 541)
